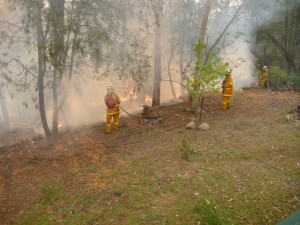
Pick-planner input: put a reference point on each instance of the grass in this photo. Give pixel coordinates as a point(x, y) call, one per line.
point(56, 207)
point(242, 171)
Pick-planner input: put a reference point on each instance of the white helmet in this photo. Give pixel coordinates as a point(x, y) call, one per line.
point(110, 89)
point(265, 67)
point(228, 72)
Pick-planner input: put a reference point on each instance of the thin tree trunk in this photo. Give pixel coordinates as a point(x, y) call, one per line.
point(55, 107)
point(207, 8)
point(41, 69)
point(181, 71)
point(284, 52)
point(204, 20)
point(57, 21)
point(200, 116)
point(157, 67)
point(5, 124)
point(169, 68)
point(221, 35)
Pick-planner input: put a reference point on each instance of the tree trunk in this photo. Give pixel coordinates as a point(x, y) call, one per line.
point(157, 66)
point(181, 71)
point(57, 22)
point(55, 107)
point(41, 68)
point(221, 35)
point(289, 58)
point(207, 7)
point(4, 124)
point(204, 20)
point(169, 67)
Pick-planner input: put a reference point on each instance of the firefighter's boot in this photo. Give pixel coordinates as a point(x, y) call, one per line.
point(224, 105)
point(228, 105)
point(108, 128)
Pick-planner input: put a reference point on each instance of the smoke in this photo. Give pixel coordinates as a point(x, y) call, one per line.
point(84, 103)
point(240, 61)
point(234, 46)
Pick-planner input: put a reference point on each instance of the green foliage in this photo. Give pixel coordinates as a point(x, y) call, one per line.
point(186, 149)
point(295, 80)
point(205, 77)
point(277, 76)
point(212, 214)
point(278, 44)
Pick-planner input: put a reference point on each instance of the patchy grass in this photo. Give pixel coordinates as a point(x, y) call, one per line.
point(244, 170)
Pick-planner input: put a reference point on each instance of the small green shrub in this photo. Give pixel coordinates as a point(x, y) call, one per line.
point(211, 214)
point(186, 149)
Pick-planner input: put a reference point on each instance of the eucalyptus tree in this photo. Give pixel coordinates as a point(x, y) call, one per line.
point(65, 35)
point(209, 67)
point(172, 23)
point(128, 57)
point(157, 7)
point(277, 40)
point(151, 14)
point(281, 34)
point(4, 120)
point(184, 25)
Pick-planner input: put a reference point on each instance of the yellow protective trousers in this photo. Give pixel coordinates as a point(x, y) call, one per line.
point(263, 79)
point(262, 82)
point(226, 102)
point(227, 91)
point(112, 114)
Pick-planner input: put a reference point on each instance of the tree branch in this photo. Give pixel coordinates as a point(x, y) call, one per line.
point(221, 35)
point(282, 50)
point(174, 81)
point(20, 63)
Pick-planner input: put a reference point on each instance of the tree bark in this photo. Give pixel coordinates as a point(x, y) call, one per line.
point(169, 67)
point(204, 20)
point(221, 35)
point(41, 68)
point(157, 68)
point(283, 51)
point(57, 21)
point(181, 71)
point(207, 8)
point(5, 124)
point(55, 107)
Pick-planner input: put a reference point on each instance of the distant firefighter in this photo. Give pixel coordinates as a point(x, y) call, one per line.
point(227, 87)
point(264, 77)
point(112, 101)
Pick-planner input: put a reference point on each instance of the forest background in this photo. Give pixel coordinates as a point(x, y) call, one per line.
point(58, 56)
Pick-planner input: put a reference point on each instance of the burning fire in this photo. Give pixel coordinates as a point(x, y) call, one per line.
point(123, 99)
point(60, 124)
point(148, 98)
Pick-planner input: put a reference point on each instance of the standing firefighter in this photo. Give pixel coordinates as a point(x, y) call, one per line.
point(112, 101)
point(263, 77)
point(227, 87)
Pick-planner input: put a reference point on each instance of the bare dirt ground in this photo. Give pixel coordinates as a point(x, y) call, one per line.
point(246, 141)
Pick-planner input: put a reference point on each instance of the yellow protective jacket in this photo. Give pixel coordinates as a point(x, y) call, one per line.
point(228, 86)
point(264, 75)
point(263, 78)
point(117, 101)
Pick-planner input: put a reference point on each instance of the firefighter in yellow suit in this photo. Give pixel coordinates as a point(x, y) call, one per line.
point(112, 101)
point(227, 87)
point(263, 77)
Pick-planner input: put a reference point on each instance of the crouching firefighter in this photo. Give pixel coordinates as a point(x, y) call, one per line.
point(112, 101)
point(227, 87)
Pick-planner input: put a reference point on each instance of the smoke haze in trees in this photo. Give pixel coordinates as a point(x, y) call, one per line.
point(85, 104)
